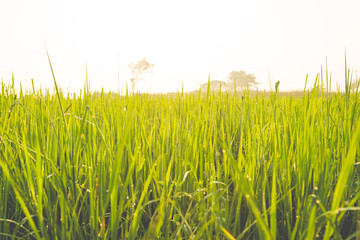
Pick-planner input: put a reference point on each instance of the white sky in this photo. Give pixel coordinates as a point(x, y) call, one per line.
point(186, 40)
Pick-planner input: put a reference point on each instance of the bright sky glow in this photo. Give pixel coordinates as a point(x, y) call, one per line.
point(186, 40)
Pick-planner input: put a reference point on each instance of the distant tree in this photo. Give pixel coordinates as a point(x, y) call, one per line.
point(138, 70)
point(242, 79)
point(214, 85)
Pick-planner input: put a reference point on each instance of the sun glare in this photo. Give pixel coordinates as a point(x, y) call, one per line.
point(186, 41)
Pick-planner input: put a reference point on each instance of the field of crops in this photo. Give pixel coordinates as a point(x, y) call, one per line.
point(179, 166)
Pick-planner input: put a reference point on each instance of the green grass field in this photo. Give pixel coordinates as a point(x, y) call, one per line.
point(179, 166)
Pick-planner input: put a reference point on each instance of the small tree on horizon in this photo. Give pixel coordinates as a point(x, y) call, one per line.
point(138, 70)
point(242, 79)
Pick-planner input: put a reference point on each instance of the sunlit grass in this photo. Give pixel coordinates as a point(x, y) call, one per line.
point(179, 166)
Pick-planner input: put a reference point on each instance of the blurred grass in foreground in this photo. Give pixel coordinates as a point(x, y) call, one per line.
point(179, 166)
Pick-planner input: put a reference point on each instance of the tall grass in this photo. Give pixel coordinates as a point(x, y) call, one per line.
point(179, 166)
